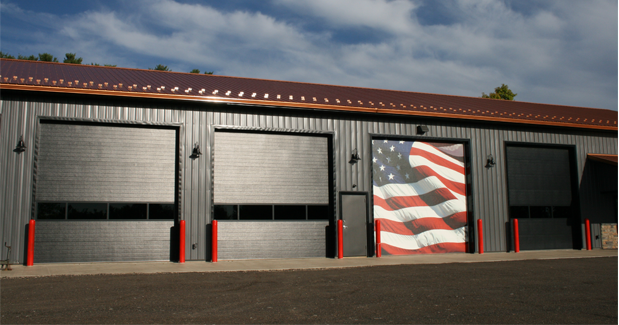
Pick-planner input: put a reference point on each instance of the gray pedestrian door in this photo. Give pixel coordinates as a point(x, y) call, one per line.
point(354, 216)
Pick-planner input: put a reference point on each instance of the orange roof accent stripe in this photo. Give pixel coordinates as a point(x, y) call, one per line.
point(124, 82)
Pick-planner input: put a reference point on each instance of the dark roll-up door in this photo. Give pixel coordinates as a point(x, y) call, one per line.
point(85, 163)
point(100, 190)
point(256, 168)
point(538, 176)
point(541, 196)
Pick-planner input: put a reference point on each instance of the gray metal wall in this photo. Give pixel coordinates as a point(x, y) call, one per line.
point(102, 241)
point(271, 239)
point(198, 121)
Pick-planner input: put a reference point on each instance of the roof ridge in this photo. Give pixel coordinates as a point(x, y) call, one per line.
point(111, 81)
point(507, 102)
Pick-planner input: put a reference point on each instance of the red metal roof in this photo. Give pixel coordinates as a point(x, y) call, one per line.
point(73, 78)
point(607, 159)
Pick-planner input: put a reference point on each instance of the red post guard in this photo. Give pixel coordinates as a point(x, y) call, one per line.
point(378, 248)
point(516, 237)
point(340, 241)
point(480, 237)
point(214, 241)
point(588, 233)
point(30, 255)
point(181, 253)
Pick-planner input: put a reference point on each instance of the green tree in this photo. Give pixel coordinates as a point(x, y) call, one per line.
point(198, 71)
point(23, 57)
point(47, 57)
point(160, 67)
point(502, 92)
point(70, 58)
point(6, 55)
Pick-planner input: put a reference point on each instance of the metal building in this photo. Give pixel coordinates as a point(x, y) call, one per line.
point(108, 161)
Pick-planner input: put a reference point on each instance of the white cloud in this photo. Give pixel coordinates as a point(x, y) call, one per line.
point(563, 52)
point(391, 16)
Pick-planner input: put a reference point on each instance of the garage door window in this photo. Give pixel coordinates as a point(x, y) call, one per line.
point(271, 212)
point(104, 211)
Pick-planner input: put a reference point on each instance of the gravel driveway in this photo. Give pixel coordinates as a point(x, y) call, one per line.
point(580, 291)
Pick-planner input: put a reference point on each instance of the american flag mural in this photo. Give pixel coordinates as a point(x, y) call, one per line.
point(420, 196)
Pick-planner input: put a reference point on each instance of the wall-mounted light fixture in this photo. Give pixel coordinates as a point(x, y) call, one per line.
point(354, 158)
point(196, 152)
point(490, 161)
point(422, 129)
point(21, 146)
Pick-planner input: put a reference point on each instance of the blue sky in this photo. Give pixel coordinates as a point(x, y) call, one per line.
point(558, 52)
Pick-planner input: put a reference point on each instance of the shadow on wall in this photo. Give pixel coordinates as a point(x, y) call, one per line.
point(598, 190)
point(330, 247)
point(174, 242)
point(509, 240)
point(26, 237)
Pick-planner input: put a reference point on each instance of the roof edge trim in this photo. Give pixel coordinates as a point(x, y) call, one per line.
point(212, 99)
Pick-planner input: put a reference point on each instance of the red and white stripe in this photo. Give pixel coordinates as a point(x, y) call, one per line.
point(428, 216)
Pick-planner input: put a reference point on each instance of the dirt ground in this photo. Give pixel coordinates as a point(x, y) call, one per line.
point(539, 291)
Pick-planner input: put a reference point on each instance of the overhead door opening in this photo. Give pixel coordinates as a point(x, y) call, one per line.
point(272, 194)
point(104, 192)
point(542, 197)
point(419, 196)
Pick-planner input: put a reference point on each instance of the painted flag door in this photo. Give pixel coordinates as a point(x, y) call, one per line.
point(420, 196)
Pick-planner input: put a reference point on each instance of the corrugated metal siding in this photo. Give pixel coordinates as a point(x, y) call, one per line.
point(198, 120)
point(271, 239)
point(596, 235)
point(102, 241)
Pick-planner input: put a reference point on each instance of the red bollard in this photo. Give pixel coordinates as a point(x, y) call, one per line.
point(181, 253)
point(480, 237)
point(378, 248)
point(214, 241)
point(340, 240)
point(516, 237)
point(30, 256)
point(588, 233)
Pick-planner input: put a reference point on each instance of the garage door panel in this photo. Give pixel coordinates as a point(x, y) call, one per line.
point(259, 168)
point(95, 241)
point(271, 169)
point(105, 163)
point(102, 164)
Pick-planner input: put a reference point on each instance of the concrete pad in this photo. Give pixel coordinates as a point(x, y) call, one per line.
point(53, 269)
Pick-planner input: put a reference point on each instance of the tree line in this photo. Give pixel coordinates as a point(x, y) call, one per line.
point(72, 58)
point(502, 92)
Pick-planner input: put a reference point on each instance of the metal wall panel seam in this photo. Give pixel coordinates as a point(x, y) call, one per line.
point(200, 238)
point(366, 146)
point(5, 155)
point(502, 172)
point(346, 139)
point(477, 206)
point(22, 162)
point(499, 218)
point(192, 223)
